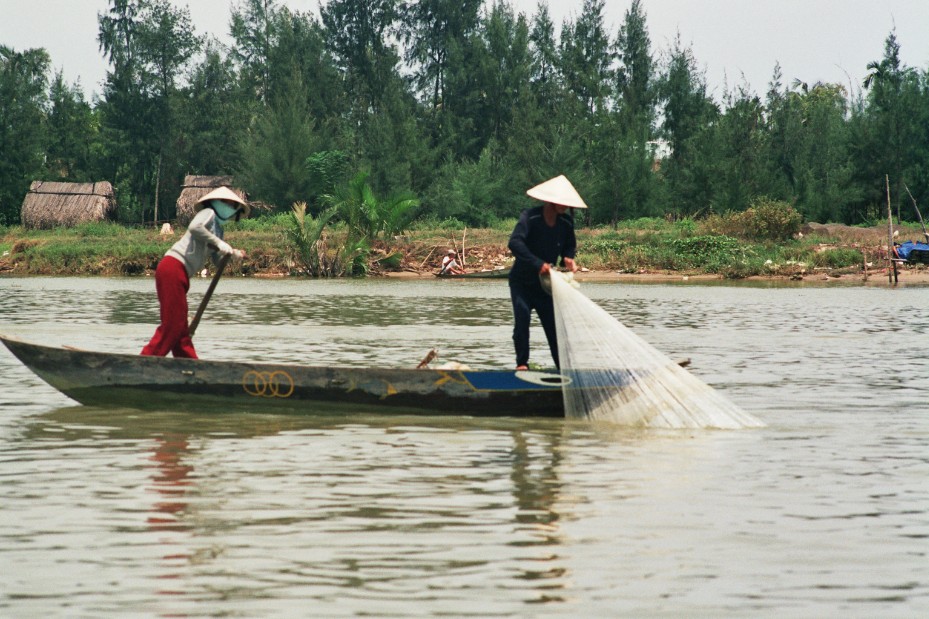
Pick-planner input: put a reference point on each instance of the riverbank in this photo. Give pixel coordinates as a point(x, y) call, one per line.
point(645, 250)
point(907, 276)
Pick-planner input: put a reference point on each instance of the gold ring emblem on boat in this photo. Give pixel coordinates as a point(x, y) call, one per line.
point(275, 384)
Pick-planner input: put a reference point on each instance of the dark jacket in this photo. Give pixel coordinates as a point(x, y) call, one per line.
point(534, 243)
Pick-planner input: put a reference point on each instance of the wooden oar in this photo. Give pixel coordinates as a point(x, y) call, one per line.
point(209, 293)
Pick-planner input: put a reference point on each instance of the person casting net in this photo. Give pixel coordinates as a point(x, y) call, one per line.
point(543, 234)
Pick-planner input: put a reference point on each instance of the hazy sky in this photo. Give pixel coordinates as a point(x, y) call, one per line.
point(732, 40)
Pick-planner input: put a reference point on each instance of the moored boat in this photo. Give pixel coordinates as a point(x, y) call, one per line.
point(491, 274)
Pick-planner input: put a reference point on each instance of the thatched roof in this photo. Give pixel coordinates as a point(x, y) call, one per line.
point(52, 204)
point(194, 188)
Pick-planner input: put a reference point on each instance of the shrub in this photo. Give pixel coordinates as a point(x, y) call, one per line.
point(772, 220)
point(838, 258)
point(709, 252)
point(263, 222)
point(764, 220)
point(604, 248)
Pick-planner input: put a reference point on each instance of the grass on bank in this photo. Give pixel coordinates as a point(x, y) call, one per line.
point(731, 247)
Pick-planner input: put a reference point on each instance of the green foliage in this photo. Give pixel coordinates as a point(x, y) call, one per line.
point(605, 248)
point(838, 258)
point(323, 247)
point(214, 116)
point(764, 220)
point(505, 224)
point(464, 104)
point(686, 227)
point(277, 149)
point(149, 45)
point(264, 222)
point(73, 131)
point(322, 254)
point(23, 82)
point(475, 193)
point(710, 253)
point(326, 170)
point(102, 229)
point(431, 222)
point(306, 233)
point(651, 224)
point(770, 220)
point(369, 217)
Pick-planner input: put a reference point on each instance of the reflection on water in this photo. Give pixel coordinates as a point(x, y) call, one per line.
point(822, 513)
point(170, 481)
point(373, 513)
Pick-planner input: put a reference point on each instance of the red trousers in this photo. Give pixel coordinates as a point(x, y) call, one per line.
point(173, 334)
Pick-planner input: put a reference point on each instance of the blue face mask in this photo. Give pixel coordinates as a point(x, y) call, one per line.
point(224, 210)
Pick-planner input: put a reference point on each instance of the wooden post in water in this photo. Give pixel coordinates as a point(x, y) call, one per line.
point(463, 234)
point(891, 261)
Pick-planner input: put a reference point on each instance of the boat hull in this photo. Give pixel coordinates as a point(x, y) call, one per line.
point(495, 274)
point(165, 383)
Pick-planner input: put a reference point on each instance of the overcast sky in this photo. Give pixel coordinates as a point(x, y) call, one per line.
point(734, 41)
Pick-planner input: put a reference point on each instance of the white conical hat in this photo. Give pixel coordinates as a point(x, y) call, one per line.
point(558, 190)
point(223, 193)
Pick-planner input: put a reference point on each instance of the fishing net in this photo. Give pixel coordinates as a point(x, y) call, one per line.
point(613, 375)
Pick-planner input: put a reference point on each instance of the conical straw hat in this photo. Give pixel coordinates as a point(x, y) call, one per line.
point(223, 193)
point(558, 190)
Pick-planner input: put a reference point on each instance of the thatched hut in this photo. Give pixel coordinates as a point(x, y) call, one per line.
point(51, 204)
point(194, 188)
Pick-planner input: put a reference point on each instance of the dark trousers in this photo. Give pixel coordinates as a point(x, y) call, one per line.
point(528, 297)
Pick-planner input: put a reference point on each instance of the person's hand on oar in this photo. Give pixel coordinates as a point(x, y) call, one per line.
point(225, 249)
point(231, 254)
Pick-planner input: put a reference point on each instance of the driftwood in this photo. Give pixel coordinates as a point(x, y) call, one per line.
point(429, 255)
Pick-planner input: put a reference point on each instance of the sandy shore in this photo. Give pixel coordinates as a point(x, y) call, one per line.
point(906, 277)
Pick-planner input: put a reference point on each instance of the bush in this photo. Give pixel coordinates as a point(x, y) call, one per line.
point(838, 258)
point(712, 253)
point(604, 248)
point(263, 222)
point(764, 220)
point(772, 220)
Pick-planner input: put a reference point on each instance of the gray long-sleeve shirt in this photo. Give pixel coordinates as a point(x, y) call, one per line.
point(203, 239)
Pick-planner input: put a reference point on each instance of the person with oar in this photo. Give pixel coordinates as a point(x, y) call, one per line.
point(450, 264)
point(203, 240)
point(542, 235)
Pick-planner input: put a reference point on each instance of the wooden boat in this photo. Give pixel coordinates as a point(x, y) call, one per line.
point(165, 383)
point(493, 274)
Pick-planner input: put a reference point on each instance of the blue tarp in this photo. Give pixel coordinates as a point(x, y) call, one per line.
point(913, 252)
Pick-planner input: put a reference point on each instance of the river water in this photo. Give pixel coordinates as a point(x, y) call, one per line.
point(824, 512)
